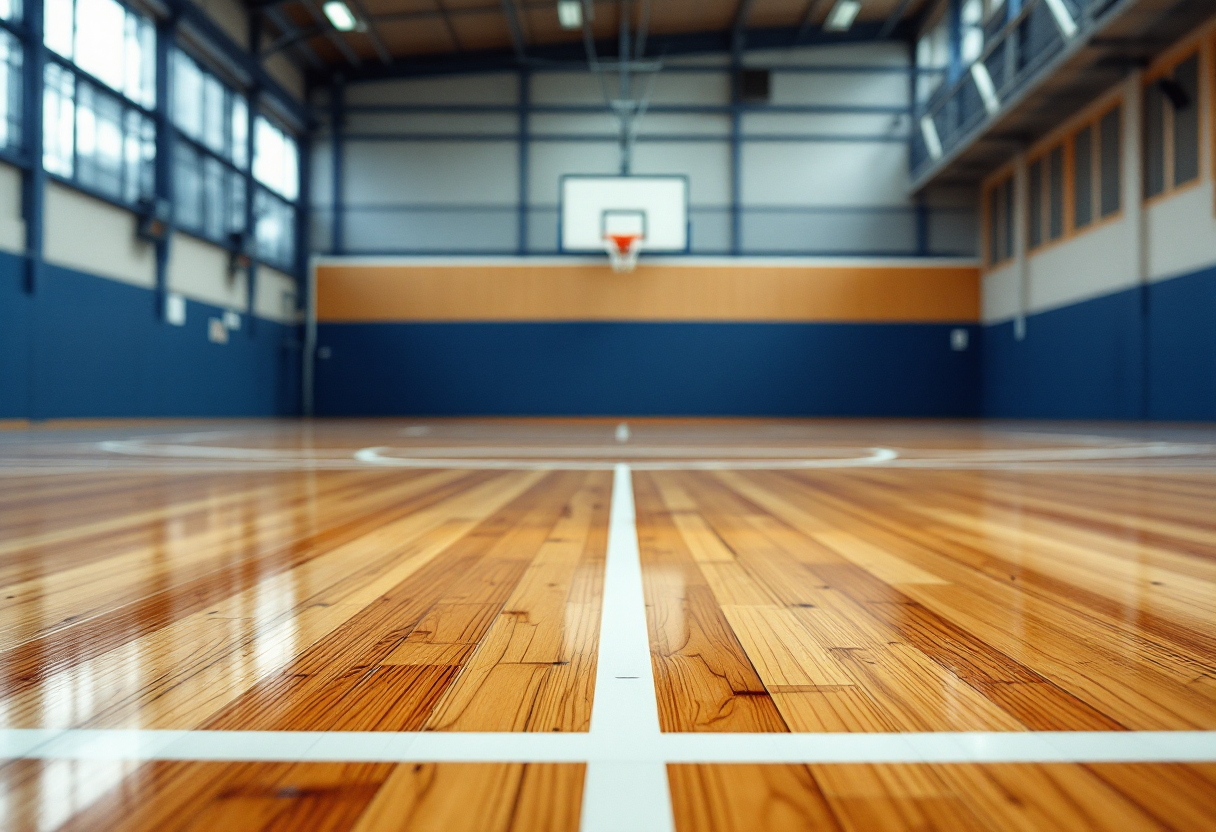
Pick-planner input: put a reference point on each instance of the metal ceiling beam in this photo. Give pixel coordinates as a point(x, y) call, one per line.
point(373, 34)
point(569, 55)
point(488, 9)
point(339, 44)
point(291, 37)
point(738, 29)
point(805, 25)
point(447, 22)
point(893, 19)
point(517, 33)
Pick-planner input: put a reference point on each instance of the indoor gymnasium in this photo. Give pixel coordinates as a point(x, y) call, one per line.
point(607, 415)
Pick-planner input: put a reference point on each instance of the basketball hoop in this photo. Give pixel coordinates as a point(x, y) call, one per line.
point(623, 251)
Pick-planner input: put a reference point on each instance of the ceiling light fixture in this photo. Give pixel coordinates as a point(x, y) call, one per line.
point(340, 15)
point(570, 13)
point(842, 15)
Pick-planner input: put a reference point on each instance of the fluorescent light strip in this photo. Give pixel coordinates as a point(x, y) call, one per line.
point(987, 90)
point(1063, 18)
point(340, 15)
point(933, 143)
point(842, 15)
point(570, 14)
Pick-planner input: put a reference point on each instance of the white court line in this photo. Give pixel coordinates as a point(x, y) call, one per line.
point(627, 792)
point(599, 748)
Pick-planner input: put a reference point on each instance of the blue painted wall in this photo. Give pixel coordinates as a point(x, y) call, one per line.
point(1138, 354)
point(85, 346)
point(636, 368)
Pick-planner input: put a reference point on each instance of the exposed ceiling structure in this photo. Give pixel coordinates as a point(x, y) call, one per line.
point(1132, 33)
point(399, 35)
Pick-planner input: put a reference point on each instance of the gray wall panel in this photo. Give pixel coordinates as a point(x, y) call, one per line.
point(430, 231)
point(450, 172)
point(829, 232)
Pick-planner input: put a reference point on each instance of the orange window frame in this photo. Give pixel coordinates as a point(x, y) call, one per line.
point(1166, 68)
point(1067, 143)
point(986, 219)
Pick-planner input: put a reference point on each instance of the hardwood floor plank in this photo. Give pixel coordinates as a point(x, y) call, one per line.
point(704, 680)
point(268, 625)
point(327, 797)
point(535, 668)
point(469, 797)
point(472, 571)
point(153, 607)
point(994, 797)
point(745, 798)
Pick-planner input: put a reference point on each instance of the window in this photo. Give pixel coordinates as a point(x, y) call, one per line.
point(1171, 128)
point(998, 207)
point(1055, 193)
point(972, 37)
point(108, 41)
point(94, 138)
point(1083, 178)
point(208, 196)
point(276, 164)
point(275, 229)
point(96, 131)
point(11, 61)
point(1110, 162)
point(932, 58)
point(1186, 121)
point(10, 10)
point(211, 152)
point(208, 112)
point(276, 161)
point(1076, 182)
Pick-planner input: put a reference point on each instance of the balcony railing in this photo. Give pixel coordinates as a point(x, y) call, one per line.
point(1016, 48)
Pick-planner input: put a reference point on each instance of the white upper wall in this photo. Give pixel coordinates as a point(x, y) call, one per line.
point(95, 237)
point(199, 270)
point(1182, 230)
point(12, 226)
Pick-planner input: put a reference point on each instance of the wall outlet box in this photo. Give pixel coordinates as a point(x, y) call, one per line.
point(959, 339)
point(232, 320)
point(175, 309)
point(217, 333)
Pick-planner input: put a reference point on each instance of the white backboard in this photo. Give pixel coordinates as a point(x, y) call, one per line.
point(595, 206)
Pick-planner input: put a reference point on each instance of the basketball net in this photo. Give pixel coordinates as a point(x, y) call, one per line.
point(623, 251)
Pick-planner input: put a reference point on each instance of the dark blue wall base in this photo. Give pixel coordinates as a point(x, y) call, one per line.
point(631, 368)
point(1145, 353)
point(84, 346)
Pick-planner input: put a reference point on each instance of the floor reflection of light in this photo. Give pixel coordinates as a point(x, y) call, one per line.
point(274, 647)
point(67, 787)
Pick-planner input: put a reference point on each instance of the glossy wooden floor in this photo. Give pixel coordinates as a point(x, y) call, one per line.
point(254, 576)
point(931, 600)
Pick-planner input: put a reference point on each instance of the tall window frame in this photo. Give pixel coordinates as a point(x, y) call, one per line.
point(12, 79)
point(1079, 178)
point(276, 189)
point(99, 115)
point(210, 119)
point(999, 205)
point(1173, 160)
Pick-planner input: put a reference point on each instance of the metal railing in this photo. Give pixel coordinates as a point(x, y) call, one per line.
point(1016, 49)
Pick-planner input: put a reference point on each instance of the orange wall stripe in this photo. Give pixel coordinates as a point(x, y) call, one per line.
point(382, 293)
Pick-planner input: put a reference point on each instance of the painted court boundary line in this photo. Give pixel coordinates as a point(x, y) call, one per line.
point(627, 790)
point(596, 749)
